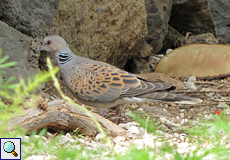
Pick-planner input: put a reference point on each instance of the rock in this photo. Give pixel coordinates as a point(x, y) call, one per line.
point(63, 140)
point(133, 132)
point(49, 135)
point(191, 79)
point(156, 110)
point(158, 14)
point(168, 123)
point(33, 18)
point(191, 16)
point(189, 86)
point(39, 157)
point(138, 65)
point(69, 136)
point(168, 51)
point(183, 121)
point(99, 137)
point(206, 38)
point(128, 125)
point(17, 46)
point(208, 117)
point(25, 138)
point(141, 63)
point(222, 105)
point(109, 31)
point(119, 139)
point(221, 17)
point(171, 39)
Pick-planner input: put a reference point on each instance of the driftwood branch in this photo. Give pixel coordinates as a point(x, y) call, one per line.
point(60, 116)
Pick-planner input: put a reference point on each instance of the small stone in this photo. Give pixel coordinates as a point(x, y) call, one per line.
point(25, 138)
point(52, 97)
point(183, 137)
point(99, 137)
point(49, 135)
point(191, 79)
point(139, 143)
point(141, 110)
point(189, 86)
point(120, 149)
point(69, 136)
point(177, 117)
point(222, 81)
point(43, 157)
point(169, 50)
point(44, 139)
point(166, 105)
point(72, 140)
point(183, 121)
point(148, 140)
point(222, 105)
point(35, 157)
point(36, 137)
point(63, 139)
point(181, 115)
point(133, 132)
point(156, 58)
point(119, 139)
point(228, 111)
point(128, 125)
point(208, 117)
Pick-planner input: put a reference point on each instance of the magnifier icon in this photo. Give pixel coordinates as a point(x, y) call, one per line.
point(9, 147)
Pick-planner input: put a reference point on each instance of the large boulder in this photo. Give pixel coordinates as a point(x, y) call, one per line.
point(192, 16)
point(33, 18)
point(221, 17)
point(158, 12)
point(19, 48)
point(112, 31)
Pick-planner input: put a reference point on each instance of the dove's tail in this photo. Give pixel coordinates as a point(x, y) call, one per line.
point(167, 96)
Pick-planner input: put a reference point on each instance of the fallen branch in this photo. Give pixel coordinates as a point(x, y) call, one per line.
point(60, 116)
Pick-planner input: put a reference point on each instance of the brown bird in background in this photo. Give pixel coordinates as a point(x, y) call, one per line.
point(102, 85)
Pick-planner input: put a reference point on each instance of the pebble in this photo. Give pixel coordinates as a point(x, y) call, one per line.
point(222, 105)
point(138, 143)
point(128, 125)
point(64, 139)
point(52, 97)
point(191, 79)
point(189, 86)
point(69, 136)
point(120, 149)
point(49, 135)
point(181, 115)
point(148, 140)
point(228, 111)
point(99, 137)
point(169, 50)
point(119, 139)
point(141, 110)
point(208, 117)
point(169, 123)
point(39, 157)
point(183, 121)
point(26, 138)
point(133, 132)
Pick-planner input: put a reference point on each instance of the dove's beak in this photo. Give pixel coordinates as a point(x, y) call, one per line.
point(39, 49)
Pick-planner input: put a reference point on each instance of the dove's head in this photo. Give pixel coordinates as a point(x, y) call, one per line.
point(54, 44)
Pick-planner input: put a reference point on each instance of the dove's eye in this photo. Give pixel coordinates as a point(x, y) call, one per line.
point(49, 42)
